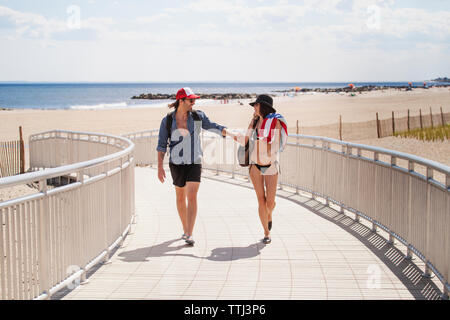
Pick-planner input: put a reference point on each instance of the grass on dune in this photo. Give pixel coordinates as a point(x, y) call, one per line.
point(427, 134)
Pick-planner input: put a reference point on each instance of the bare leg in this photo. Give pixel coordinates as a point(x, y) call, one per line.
point(258, 184)
point(191, 192)
point(270, 182)
point(181, 207)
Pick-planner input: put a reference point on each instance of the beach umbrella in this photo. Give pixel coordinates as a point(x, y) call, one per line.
point(351, 85)
point(297, 89)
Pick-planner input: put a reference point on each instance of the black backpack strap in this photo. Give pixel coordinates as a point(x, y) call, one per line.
point(169, 120)
point(195, 115)
point(197, 122)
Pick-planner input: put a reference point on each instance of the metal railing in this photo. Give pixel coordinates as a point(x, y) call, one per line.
point(406, 196)
point(50, 239)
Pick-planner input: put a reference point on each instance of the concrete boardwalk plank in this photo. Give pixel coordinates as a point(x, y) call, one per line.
point(316, 253)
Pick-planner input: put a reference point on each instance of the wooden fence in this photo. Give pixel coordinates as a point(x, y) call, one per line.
point(388, 127)
point(354, 131)
point(12, 157)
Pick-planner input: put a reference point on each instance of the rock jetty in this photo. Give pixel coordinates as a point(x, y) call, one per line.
point(357, 89)
point(239, 96)
point(444, 79)
point(215, 96)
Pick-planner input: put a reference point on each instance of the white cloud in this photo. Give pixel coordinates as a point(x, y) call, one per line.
point(314, 40)
point(37, 26)
point(152, 19)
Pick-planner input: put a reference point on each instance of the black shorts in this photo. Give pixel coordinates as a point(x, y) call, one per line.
point(182, 173)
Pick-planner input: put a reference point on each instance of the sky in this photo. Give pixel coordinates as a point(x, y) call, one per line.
point(224, 40)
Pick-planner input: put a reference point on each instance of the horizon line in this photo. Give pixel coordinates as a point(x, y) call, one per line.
point(194, 82)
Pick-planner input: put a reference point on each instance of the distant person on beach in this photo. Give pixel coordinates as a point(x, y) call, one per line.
point(267, 136)
point(180, 130)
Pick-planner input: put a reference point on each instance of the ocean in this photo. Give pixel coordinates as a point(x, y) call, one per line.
point(85, 96)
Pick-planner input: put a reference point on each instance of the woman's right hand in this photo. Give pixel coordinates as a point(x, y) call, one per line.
point(239, 138)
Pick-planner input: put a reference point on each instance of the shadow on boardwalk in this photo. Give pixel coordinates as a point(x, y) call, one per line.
point(165, 249)
point(407, 271)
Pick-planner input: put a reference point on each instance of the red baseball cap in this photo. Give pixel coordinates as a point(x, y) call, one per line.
point(186, 93)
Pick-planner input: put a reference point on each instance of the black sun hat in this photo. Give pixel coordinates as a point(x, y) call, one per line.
point(264, 99)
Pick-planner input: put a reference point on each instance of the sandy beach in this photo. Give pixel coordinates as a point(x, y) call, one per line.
point(311, 110)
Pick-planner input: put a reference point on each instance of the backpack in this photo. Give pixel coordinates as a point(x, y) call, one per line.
point(243, 153)
point(170, 119)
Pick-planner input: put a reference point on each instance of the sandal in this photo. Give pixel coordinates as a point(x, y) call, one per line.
point(190, 241)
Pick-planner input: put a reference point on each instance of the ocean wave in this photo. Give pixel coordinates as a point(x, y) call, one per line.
point(155, 104)
point(119, 105)
point(100, 106)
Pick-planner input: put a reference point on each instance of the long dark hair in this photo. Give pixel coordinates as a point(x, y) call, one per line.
point(265, 110)
point(176, 104)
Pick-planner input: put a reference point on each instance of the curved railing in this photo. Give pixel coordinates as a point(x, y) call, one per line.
point(406, 196)
point(82, 209)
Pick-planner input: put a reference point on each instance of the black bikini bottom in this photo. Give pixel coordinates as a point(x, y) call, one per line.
point(259, 166)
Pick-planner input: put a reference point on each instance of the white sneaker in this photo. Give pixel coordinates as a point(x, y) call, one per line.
point(190, 241)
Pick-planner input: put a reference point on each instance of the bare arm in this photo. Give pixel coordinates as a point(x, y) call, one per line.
point(276, 140)
point(161, 172)
point(241, 139)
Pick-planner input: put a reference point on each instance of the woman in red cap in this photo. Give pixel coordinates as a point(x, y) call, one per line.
point(180, 131)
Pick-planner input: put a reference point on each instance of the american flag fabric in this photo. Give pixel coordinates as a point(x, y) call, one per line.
point(268, 129)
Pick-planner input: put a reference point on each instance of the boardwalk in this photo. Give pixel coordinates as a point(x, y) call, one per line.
point(316, 252)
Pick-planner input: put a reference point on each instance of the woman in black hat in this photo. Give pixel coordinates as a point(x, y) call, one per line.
point(270, 133)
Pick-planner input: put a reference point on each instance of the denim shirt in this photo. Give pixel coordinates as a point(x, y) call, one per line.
point(186, 150)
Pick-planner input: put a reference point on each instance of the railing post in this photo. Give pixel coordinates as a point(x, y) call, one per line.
point(393, 164)
point(297, 155)
point(427, 271)
point(106, 259)
point(44, 268)
point(234, 159)
point(391, 238)
point(325, 147)
point(410, 169)
point(121, 201)
point(83, 279)
point(445, 291)
point(224, 158)
point(429, 175)
point(409, 253)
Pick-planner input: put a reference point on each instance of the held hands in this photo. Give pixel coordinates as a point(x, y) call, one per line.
point(161, 174)
point(239, 138)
